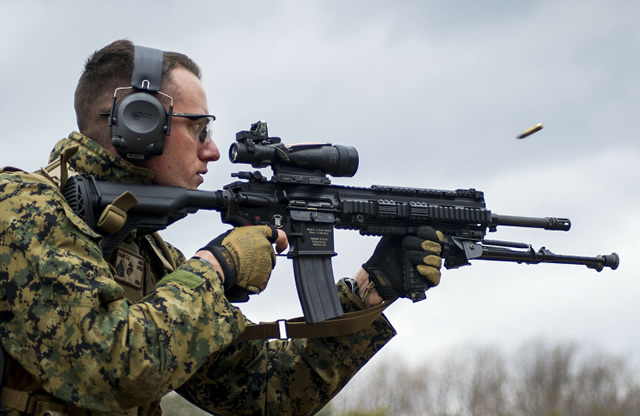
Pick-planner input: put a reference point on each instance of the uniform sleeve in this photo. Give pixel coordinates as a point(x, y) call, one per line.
point(66, 321)
point(295, 377)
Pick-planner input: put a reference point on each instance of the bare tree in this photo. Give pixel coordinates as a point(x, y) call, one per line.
point(489, 384)
point(603, 385)
point(543, 377)
point(538, 380)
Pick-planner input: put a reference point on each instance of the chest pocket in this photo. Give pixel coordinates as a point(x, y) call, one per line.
point(139, 264)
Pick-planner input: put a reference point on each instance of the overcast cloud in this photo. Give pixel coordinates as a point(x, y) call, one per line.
point(432, 94)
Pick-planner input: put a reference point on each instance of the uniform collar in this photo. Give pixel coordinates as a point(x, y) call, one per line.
point(93, 159)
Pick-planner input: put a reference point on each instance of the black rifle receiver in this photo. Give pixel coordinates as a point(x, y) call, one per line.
point(300, 199)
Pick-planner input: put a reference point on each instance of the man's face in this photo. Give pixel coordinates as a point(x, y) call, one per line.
point(184, 159)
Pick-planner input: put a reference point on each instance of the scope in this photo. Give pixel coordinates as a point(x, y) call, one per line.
point(256, 148)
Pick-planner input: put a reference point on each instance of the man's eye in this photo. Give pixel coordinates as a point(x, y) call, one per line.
point(195, 127)
point(201, 130)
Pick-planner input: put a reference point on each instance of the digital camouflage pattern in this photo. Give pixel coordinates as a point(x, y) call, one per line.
point(66, 320)
point(295, 377)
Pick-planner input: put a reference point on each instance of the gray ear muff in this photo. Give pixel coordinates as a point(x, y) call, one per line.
point(139, 121)
point(139, 127)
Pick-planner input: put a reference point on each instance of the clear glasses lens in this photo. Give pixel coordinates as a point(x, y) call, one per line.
point(202, 126)
point(207, 133)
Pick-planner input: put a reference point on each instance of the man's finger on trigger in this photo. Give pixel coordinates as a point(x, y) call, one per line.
point(282, 242)
point(271, 233)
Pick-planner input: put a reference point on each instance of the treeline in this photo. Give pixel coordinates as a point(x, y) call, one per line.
point(539, 379)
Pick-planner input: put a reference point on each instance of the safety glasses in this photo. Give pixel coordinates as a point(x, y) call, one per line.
point(202, 126)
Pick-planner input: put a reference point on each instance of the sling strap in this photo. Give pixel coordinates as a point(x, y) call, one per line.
point(114, 215)
point(347, 324)
point(58, 171)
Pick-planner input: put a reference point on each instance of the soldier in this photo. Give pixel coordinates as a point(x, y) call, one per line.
point(85, 334)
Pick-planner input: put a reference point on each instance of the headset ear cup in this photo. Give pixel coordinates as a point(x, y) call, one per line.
point(139, 125)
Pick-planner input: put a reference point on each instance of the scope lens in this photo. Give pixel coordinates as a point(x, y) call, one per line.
point(233, 152)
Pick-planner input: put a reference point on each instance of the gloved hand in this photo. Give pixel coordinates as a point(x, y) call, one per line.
point(419, 251)
point(246, 257)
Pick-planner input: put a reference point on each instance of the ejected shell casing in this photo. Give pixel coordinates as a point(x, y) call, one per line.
point(532, 130)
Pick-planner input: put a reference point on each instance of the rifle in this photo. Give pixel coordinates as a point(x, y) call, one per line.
point(300, 199)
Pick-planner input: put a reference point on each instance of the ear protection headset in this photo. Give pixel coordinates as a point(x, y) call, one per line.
point(139, 121)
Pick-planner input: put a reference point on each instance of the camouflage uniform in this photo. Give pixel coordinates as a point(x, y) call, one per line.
point(76, 326)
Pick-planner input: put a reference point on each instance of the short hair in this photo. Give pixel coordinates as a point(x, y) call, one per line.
point(107, 69)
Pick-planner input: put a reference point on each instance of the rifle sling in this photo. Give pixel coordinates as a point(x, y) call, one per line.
point(114, 215)
point(349, 323)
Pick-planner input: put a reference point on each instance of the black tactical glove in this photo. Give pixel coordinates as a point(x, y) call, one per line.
point(246, 257)
point(419, 253)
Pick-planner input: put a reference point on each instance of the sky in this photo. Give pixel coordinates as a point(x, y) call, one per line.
point(433, 95)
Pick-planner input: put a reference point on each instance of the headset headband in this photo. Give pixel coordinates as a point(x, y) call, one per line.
point(147, 69)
